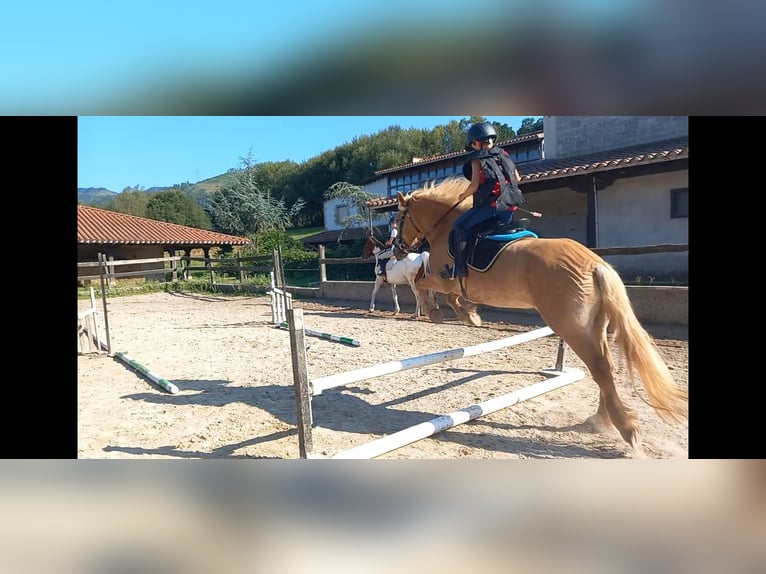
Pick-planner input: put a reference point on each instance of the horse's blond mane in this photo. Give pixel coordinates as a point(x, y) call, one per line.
point(446, 190)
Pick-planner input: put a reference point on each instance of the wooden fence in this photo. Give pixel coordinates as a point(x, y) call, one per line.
point(182, 267)
point(175, 268)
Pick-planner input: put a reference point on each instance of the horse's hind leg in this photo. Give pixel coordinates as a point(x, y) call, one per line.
point(591, 345)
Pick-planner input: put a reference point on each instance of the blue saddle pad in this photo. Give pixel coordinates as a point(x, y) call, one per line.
point(512, 236)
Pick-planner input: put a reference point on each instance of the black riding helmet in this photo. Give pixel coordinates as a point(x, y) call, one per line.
point(479, 131)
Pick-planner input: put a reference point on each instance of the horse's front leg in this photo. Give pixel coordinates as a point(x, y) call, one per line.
point(375, 288)
point(418, 303)
point(395, 297)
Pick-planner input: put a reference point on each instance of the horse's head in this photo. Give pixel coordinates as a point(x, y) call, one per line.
point(369, 247)
point(410, 237)
point(425, 210)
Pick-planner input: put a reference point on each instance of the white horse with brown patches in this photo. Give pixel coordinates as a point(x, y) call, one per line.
point(408, 270)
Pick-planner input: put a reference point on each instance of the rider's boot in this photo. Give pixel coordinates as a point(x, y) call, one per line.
point(460, 268)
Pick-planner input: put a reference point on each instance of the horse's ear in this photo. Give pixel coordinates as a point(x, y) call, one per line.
point(401, 198)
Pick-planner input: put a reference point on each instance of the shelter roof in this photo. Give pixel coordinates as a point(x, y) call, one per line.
point(101, 226)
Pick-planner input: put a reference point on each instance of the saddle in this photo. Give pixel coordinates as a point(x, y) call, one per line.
point(491, 239)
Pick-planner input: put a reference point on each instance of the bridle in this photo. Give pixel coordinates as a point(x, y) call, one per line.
point(403, 217)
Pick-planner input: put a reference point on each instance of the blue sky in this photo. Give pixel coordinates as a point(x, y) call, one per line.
point(116, 152)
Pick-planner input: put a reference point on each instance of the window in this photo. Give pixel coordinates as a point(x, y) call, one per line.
point(679, 202)
point(341, 212)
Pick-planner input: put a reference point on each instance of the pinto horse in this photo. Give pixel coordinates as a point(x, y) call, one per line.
point(398, 272)
point(577, 293)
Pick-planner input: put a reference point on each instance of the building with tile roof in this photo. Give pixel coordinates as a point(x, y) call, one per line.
point(606, 181)
point(121, 237)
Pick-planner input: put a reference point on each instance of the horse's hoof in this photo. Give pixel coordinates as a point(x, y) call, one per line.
point(436, 315)
point(471, 322)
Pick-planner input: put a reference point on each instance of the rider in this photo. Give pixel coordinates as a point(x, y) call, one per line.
point(389, 246)
point(494, 187)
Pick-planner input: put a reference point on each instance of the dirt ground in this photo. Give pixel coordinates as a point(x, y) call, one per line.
point(233, 369)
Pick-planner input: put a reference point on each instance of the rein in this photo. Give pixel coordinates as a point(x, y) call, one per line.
point(419, 236)
point(378, 242)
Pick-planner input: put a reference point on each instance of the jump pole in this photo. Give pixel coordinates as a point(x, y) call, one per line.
point(323, 383)
point(418, 432)
point(328, 336)
point(164, 383)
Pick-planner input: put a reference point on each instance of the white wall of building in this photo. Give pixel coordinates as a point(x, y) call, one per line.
point(331, 206)
point(636, 211)
point(565, 213)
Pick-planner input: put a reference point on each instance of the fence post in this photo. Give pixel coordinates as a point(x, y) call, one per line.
point(301, 382)
point(283, 284)
point(322, 266)
point(277, 269)
point(241, 273)
point(101, 267)
point(110, 272)
point(209, 265)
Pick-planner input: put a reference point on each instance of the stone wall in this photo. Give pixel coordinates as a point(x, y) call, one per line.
point(567, 136)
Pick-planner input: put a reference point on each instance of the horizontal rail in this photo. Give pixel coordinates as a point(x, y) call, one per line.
point(415, 433)
point(323, 383)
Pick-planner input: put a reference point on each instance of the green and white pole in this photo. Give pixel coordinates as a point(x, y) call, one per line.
point(164, 383)
point(328, 336)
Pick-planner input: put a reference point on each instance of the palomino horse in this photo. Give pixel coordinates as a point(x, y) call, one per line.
point(398, 272)
point(576, 292)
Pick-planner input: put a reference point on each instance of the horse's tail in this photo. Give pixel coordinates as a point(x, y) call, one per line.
point(426, 263)
point(638, 347)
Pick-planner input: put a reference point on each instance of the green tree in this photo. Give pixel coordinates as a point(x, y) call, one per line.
point(243, 207)
point(530, 125)
point(130, 202)
point(353, 197)
point(173, 206)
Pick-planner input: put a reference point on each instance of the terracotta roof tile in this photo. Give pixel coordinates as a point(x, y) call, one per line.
point(642, 154)
point(101, 226)
point(547, 169)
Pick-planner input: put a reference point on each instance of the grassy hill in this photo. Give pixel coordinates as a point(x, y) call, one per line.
point(200, 191)
point(304, 232)
point(95, 196)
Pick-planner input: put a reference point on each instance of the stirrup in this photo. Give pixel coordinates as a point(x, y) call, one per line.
point(449, 273)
